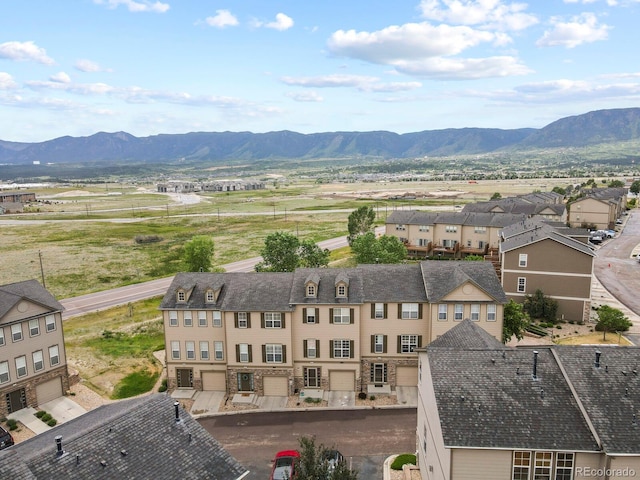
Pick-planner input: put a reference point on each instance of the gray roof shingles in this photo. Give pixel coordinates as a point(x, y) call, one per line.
point(442, 277)
point(31, 290)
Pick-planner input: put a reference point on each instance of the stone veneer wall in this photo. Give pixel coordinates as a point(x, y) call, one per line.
point(258, 376)
point(30, 385)
point(392, 365)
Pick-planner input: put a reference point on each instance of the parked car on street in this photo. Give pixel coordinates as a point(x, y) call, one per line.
point(6, 440)
point(284, 465)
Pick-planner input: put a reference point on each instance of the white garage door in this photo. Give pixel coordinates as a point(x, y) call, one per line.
point(49, 390)
point(214, 381)
point(276, 386)
point(342, 380)
point(407, 377)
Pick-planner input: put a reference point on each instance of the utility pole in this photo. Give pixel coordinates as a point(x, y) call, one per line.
point(41, 269)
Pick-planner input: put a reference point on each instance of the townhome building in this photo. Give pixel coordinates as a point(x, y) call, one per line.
point(33, 363)
point(547, 205)
point(448, 234)
point(536, 256)
point(599, 208)
point(353, 329)
point(553, 412)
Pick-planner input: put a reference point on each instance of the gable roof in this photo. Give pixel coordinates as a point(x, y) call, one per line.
point(442, 277)
point(138, 438)
point(328, 278)
point(467, 335)
point(533, 230)
point(30, 290)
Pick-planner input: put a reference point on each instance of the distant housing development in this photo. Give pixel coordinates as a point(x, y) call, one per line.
point(213, 186)
point(599, 208)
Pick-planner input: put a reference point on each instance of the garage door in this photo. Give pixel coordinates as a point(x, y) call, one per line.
point(276, 386)
point(342, 380)
point(48, 391)
point(214, 381)
point(407, 376)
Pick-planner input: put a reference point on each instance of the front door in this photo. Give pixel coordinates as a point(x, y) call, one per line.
point(185, 377)
point(245, 382)
point(16, 400)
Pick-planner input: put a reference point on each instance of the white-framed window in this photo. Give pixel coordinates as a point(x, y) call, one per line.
point(38, 361)
point(341, 291)
point(187, 319)
point(4, 372)
point(273, 353)
point(50, 322)
point(522, 284)
point(243, 321)
point(175, 349)
point(342, 315)
point(21, 366)
point(378, 343)
point(218, 350)
point(442, 312)
point(310, 315)
point(521, 465)
point(211, 298)
point(243, 350)
point(451, 228)
point(423, 228)
point(311, 290)
point(543, 462)
point(273, 320)
point(491, 312)
point(378, 373)
point(173, 318)
point(564, 466)
point(423, 242)
point(181, 296)
point(34, 327)
point(341, 349)
point(202, 319)
point(475, 312)
point(400, 226)
point(410, 310)
point(522, 260)
point(458, 312)
point(312, 377)
point(54, 355)
point(16, 332)
point(312, 348)
point(1, 336)
point(379, 310)
point(448, 243)
point(478, 229)
point(190, 347)
point(217, 318)
point(408, 343)
point(204, 350)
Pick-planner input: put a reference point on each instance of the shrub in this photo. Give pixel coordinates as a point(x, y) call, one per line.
point(163, 386)
point(12, 424)
point(40, 413)
point(52, 422)
point(362, 395)
point(403, 459)
point(559, 327)
point(46, 417)
point(312, 400)
point(372, 398)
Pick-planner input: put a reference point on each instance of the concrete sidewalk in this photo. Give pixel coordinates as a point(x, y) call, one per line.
point(62, 409)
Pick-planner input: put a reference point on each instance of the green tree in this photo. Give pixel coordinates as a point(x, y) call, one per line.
point(311, 255)
point(539, 306)
point(496, 196)
point(313, 465)
point(616, 184)
point(198, 254)
point(280, 253)
point(360, 222)
point(474, 258)
point(515, 321)
point(635, 187)
point(386, 249)
point(611, 320)
point(560, 190)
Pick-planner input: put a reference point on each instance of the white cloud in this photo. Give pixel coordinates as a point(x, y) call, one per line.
point(464, 68)
point(581, 29)
point(223, 18)
point(494, 14)
point(305, 96)
point(6, 81)
point(24, 51)
point(361, 82)
point(89, 66)
point(136, 6)
point(60, 77)
point(281, 23)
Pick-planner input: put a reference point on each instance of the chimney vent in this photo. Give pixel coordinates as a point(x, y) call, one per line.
point(59, 450)
point(103, 463)
point(77, 459)
point(176, 405)
point(541, 393)
point(598, 353)
point(535, 364)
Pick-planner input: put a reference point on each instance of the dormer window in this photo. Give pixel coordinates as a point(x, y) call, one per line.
point(211, 297)
point(311, 290)
point(182, 296)
point(341, 291)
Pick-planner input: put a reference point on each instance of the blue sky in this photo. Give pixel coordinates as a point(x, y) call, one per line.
point(77, 67)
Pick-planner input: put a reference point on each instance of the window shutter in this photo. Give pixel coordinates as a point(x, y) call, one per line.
point(261, 319)
point(373, 344)
point(330, 348)
point(331, 315)
point(351, 345)
point(317, 348)
point(264, 354)
point(384, 344)
point(284, 354)
point(304, 348)
point(399, 344)
point(282, 324)
point(248, 319)
point(420, 310)
point(304, 315)
point(237, 353)
point(373, 310)
point(351, 315)
point(419, 341)
point(235, 319)
point(250, 353)
point(317, 314)
point(384, 308)
point(399, 310)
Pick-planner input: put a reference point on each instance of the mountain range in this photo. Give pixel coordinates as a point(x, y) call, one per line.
point(597, 127)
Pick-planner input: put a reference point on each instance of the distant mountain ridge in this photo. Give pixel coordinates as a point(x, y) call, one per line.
point(602, 126)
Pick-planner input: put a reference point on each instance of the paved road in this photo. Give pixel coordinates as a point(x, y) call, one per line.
point(365, 437)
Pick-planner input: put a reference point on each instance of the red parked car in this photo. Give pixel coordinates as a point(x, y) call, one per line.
point(284, 465)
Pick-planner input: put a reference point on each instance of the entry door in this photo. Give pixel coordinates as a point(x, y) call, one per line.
point(16, 400)
point(245, 382)
point(185, 377)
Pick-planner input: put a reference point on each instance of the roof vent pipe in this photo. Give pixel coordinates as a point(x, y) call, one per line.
point(598, 353)
point(535, 364)
point(176, 405)
point(59, 450)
